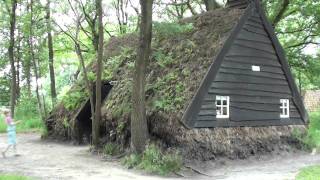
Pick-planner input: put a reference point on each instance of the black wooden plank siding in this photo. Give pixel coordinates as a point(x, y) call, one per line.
point(254, 96)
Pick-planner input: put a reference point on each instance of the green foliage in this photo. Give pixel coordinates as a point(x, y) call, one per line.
point(13, 177)
point(162, 59)
point(66, 123)
point(309, 173)
point(112, 64)
point(111, 149)
point(74, 98)
point(131, 161)
point(171, 92)
point(165, 29)
point(154, 161)
point(120, 127)
point(310, 139)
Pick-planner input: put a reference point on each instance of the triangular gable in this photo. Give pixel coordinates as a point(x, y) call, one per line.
point(202, 107)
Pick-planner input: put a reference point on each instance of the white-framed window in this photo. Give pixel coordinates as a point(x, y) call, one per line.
point(284, 107)
point(222, 106)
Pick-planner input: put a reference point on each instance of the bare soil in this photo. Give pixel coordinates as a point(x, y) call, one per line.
point(52, 160)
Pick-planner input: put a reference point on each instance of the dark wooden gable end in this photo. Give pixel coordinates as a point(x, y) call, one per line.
point(254, 95)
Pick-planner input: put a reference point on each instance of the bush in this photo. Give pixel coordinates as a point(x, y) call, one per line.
point(165, 29)
point(111, 149)
point(154, 161)
point(131, 161)
point(310, 139)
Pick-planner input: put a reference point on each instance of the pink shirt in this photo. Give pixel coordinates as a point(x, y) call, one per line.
point(9, 120)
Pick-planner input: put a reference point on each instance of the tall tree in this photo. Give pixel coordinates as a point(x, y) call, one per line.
point(96, 122)
point(11, 56)
point(35, 62)
point(139, 127)
point(211, 4)
point(50, 50)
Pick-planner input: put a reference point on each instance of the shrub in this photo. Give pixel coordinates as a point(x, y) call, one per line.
point(165, 29)
point(154, 161)
point(111, 149)
point(131, 161)
point(74, 98)
point(310, 139)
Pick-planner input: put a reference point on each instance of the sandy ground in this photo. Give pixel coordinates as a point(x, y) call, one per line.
point(51, 160)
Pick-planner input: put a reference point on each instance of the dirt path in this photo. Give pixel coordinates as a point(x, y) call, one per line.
point(49, 160)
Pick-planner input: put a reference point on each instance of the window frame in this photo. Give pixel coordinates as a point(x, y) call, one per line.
point(285, 108)
point(222, 98)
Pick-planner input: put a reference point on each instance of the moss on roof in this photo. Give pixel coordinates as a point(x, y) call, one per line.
point(178, 63)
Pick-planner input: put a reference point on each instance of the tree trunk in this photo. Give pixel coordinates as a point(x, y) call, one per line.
point(11, 56)
point(84, 70)
point(96, 123)
point(28, 75)
point(34, 62)
point(139, 127)
point(50, 50)
point(18, 61)
point(211, 4)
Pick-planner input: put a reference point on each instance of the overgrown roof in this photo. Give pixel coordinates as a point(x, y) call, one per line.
point(181, 55)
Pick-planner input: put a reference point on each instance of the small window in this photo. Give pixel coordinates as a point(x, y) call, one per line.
point(284, 107)
point(222, 106)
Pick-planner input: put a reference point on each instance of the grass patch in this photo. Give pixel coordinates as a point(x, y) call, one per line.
point(154, 161)
point(309, 173)
point(13, 177)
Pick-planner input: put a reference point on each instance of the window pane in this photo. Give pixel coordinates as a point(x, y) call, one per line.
point(219, 111)
point(218, 102)
point(224, 102)
point(225, 111)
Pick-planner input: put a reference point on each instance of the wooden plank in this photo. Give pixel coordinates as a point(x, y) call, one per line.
point(241, 114)
point(256, 20)
point(254, 61)
point(257, 107)
point(250, 46)
point(265, 68)
point(206, 118)
point(226, 123)
point(252, 75)
point(208, 106)
point(264, 87)
point(255, 99)
point(256, 45)
point(240, 50)
point(248, 79)
point(203, 112)
point(249, 63)
point(255, 24)
point(228, 92)
point(250, 56)
point(253, 36)
point(248, 98)
point(255, 30)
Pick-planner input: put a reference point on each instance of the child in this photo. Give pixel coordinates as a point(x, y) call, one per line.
point(11, 130)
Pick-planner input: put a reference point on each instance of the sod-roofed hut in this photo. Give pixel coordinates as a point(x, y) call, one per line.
point(207, 78)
